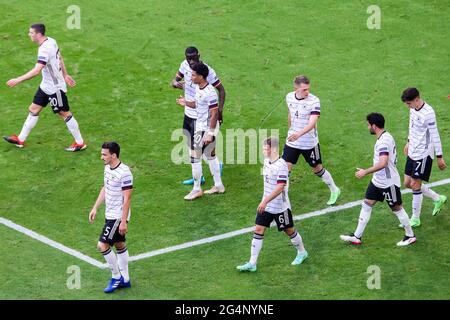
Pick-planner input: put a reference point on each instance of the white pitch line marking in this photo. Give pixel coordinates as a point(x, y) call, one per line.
point(185, 245)
point(250, 229)
point(52, 243)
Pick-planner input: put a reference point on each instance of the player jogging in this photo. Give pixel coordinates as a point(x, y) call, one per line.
point(51, 90)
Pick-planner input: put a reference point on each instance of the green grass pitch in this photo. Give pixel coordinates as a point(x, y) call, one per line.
point(124, 57)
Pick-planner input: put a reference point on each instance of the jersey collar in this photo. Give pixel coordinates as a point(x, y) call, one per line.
point(420, 107)
point(120, 162)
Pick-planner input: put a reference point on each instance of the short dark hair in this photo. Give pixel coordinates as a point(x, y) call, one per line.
point(201, 69)
point(272, 142)
point(113, 147)
point(409, 94)
point(301, 79)
point(376, 119)
point(191, 51)
point(39, 28)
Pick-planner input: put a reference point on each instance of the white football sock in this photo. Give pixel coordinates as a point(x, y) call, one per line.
point(326, 177)
point(297, 241)
point(111, 259)
point(197, 174)
point(417, 203)
point(72, 125)
point(404, 220)
point(427, 192)
point(257, 243)
point(364, 217)
point(28, 125)
point(214, 167)
point(122, 258)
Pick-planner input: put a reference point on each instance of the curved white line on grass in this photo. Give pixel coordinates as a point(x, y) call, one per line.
point(52, 243)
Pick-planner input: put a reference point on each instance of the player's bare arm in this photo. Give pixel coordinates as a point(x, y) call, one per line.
point(382, 163)
point(275, 193)
point(27, 76)
point(123, 227)
point(405, 149)
point(214, 117)
point(222, 94)
point(69, 80)
point(178, 83)
point(98, 202)
point(311, 125)
point(184, 103)
point(441, 163)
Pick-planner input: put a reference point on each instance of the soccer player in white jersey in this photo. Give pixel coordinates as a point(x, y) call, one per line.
point(204, 141)
point(385, 183)
point(274, 205)
point(423, 143)
point(303, 115)
point(51, 90)
point(190, 114)
point(116, 194)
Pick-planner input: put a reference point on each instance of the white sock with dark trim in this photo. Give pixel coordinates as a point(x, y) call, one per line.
point(297, 241)
point(364, 217)
point(326, 177)
point(72, 125)
point(214, 167)
point(28, 125)
point(257, 243)
point(111, 259)
point(197, 173)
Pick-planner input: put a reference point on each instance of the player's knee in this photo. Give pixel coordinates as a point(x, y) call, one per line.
point(34, 111)
point(396, 208)
point(289, 231)
point(416, 185)
point(120, 245)
point(259, 229)
point(317, 169)
point(102, 246)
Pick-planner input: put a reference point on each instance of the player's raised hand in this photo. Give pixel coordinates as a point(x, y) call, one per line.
point(360, 173)
point(441, 163)
point(69, 80)
point(92, 215)
point(12, 82)
point(181, 101)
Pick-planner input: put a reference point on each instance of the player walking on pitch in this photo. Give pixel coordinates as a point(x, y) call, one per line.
point(303, 115)
point(423, 143)
point(385, 183)
point(51, 90)
point(116, 193)
point(275, 205)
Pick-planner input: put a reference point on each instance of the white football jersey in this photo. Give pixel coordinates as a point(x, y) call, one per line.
point(205, 99)
point(274, 174)
point(300, 111)
point(423, 134)
point(185, 72)
point(52, 76)
point(388, 176)
point(116, 180)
